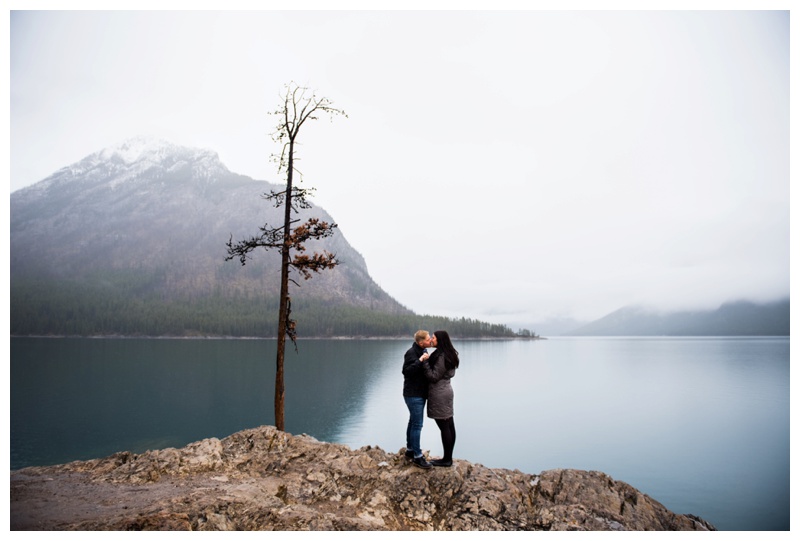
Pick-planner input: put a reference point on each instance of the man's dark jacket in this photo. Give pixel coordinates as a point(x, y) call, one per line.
point(415, 383)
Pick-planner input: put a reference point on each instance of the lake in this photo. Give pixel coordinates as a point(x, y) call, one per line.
point(699, 424)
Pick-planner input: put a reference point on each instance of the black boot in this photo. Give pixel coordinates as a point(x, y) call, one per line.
point(420, 462)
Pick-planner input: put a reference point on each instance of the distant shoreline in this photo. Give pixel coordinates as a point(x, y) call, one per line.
point(403, 338)
point(299, 339)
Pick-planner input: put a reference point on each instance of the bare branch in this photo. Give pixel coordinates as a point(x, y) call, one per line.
point(298, 107)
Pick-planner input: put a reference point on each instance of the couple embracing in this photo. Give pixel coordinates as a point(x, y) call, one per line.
point(427, 378)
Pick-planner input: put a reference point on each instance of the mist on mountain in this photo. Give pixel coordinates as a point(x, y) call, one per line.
point(148, 220)
point(131, 240)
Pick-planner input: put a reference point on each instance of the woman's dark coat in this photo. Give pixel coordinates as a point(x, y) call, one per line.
point(440, 392)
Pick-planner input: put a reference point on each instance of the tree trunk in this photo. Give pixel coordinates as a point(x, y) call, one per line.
point(283, 309)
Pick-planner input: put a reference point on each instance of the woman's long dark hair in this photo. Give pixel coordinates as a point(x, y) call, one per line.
point(444, 345)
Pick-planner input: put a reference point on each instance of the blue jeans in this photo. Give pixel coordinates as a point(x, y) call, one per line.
point(416, 409)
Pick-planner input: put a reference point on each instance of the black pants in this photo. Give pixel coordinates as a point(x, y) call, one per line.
point(448, 430)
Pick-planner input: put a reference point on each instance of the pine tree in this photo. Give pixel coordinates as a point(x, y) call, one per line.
point(299, 105)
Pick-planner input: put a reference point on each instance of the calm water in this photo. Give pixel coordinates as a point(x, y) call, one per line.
point(700, 424)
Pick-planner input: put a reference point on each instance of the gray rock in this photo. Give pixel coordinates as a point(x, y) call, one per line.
point(264, 479)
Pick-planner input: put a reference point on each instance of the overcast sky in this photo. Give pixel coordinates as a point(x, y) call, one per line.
point(510, 166)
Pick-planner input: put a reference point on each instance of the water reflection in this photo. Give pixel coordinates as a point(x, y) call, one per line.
point(77, 399)
point(702, 425)
point(330, 383)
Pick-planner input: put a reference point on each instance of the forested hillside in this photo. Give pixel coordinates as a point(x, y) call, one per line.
point(131, 241)
point(77, 309)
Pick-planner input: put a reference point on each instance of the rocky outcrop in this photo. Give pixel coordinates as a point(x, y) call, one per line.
point(265, 479)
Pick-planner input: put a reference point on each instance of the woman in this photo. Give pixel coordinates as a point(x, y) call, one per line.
point(440, 369)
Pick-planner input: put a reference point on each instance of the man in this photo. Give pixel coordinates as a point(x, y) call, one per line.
point(415, 393)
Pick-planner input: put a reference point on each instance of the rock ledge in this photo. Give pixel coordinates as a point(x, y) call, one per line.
point(265, 479)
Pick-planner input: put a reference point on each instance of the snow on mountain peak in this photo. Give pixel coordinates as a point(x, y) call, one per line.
point(131, 158)
point(139, 153)
point(138, 148)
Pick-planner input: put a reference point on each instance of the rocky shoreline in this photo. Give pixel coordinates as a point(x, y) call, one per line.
point(265, 479)
point(265, 338)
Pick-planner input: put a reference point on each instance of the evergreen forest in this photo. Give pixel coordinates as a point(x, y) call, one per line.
point(130, 308)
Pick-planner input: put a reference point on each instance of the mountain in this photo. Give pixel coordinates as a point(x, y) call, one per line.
point(741, 318)
point(160, 209)
point(131, 240)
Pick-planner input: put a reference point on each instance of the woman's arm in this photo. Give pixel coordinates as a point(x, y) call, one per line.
point(434, 368)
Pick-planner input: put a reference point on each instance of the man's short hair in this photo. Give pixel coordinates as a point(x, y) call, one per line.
point(420, 335)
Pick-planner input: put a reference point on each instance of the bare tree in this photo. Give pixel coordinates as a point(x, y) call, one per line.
point(299, 105)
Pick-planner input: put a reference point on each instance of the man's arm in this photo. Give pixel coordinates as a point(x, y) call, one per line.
point(411, 364)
